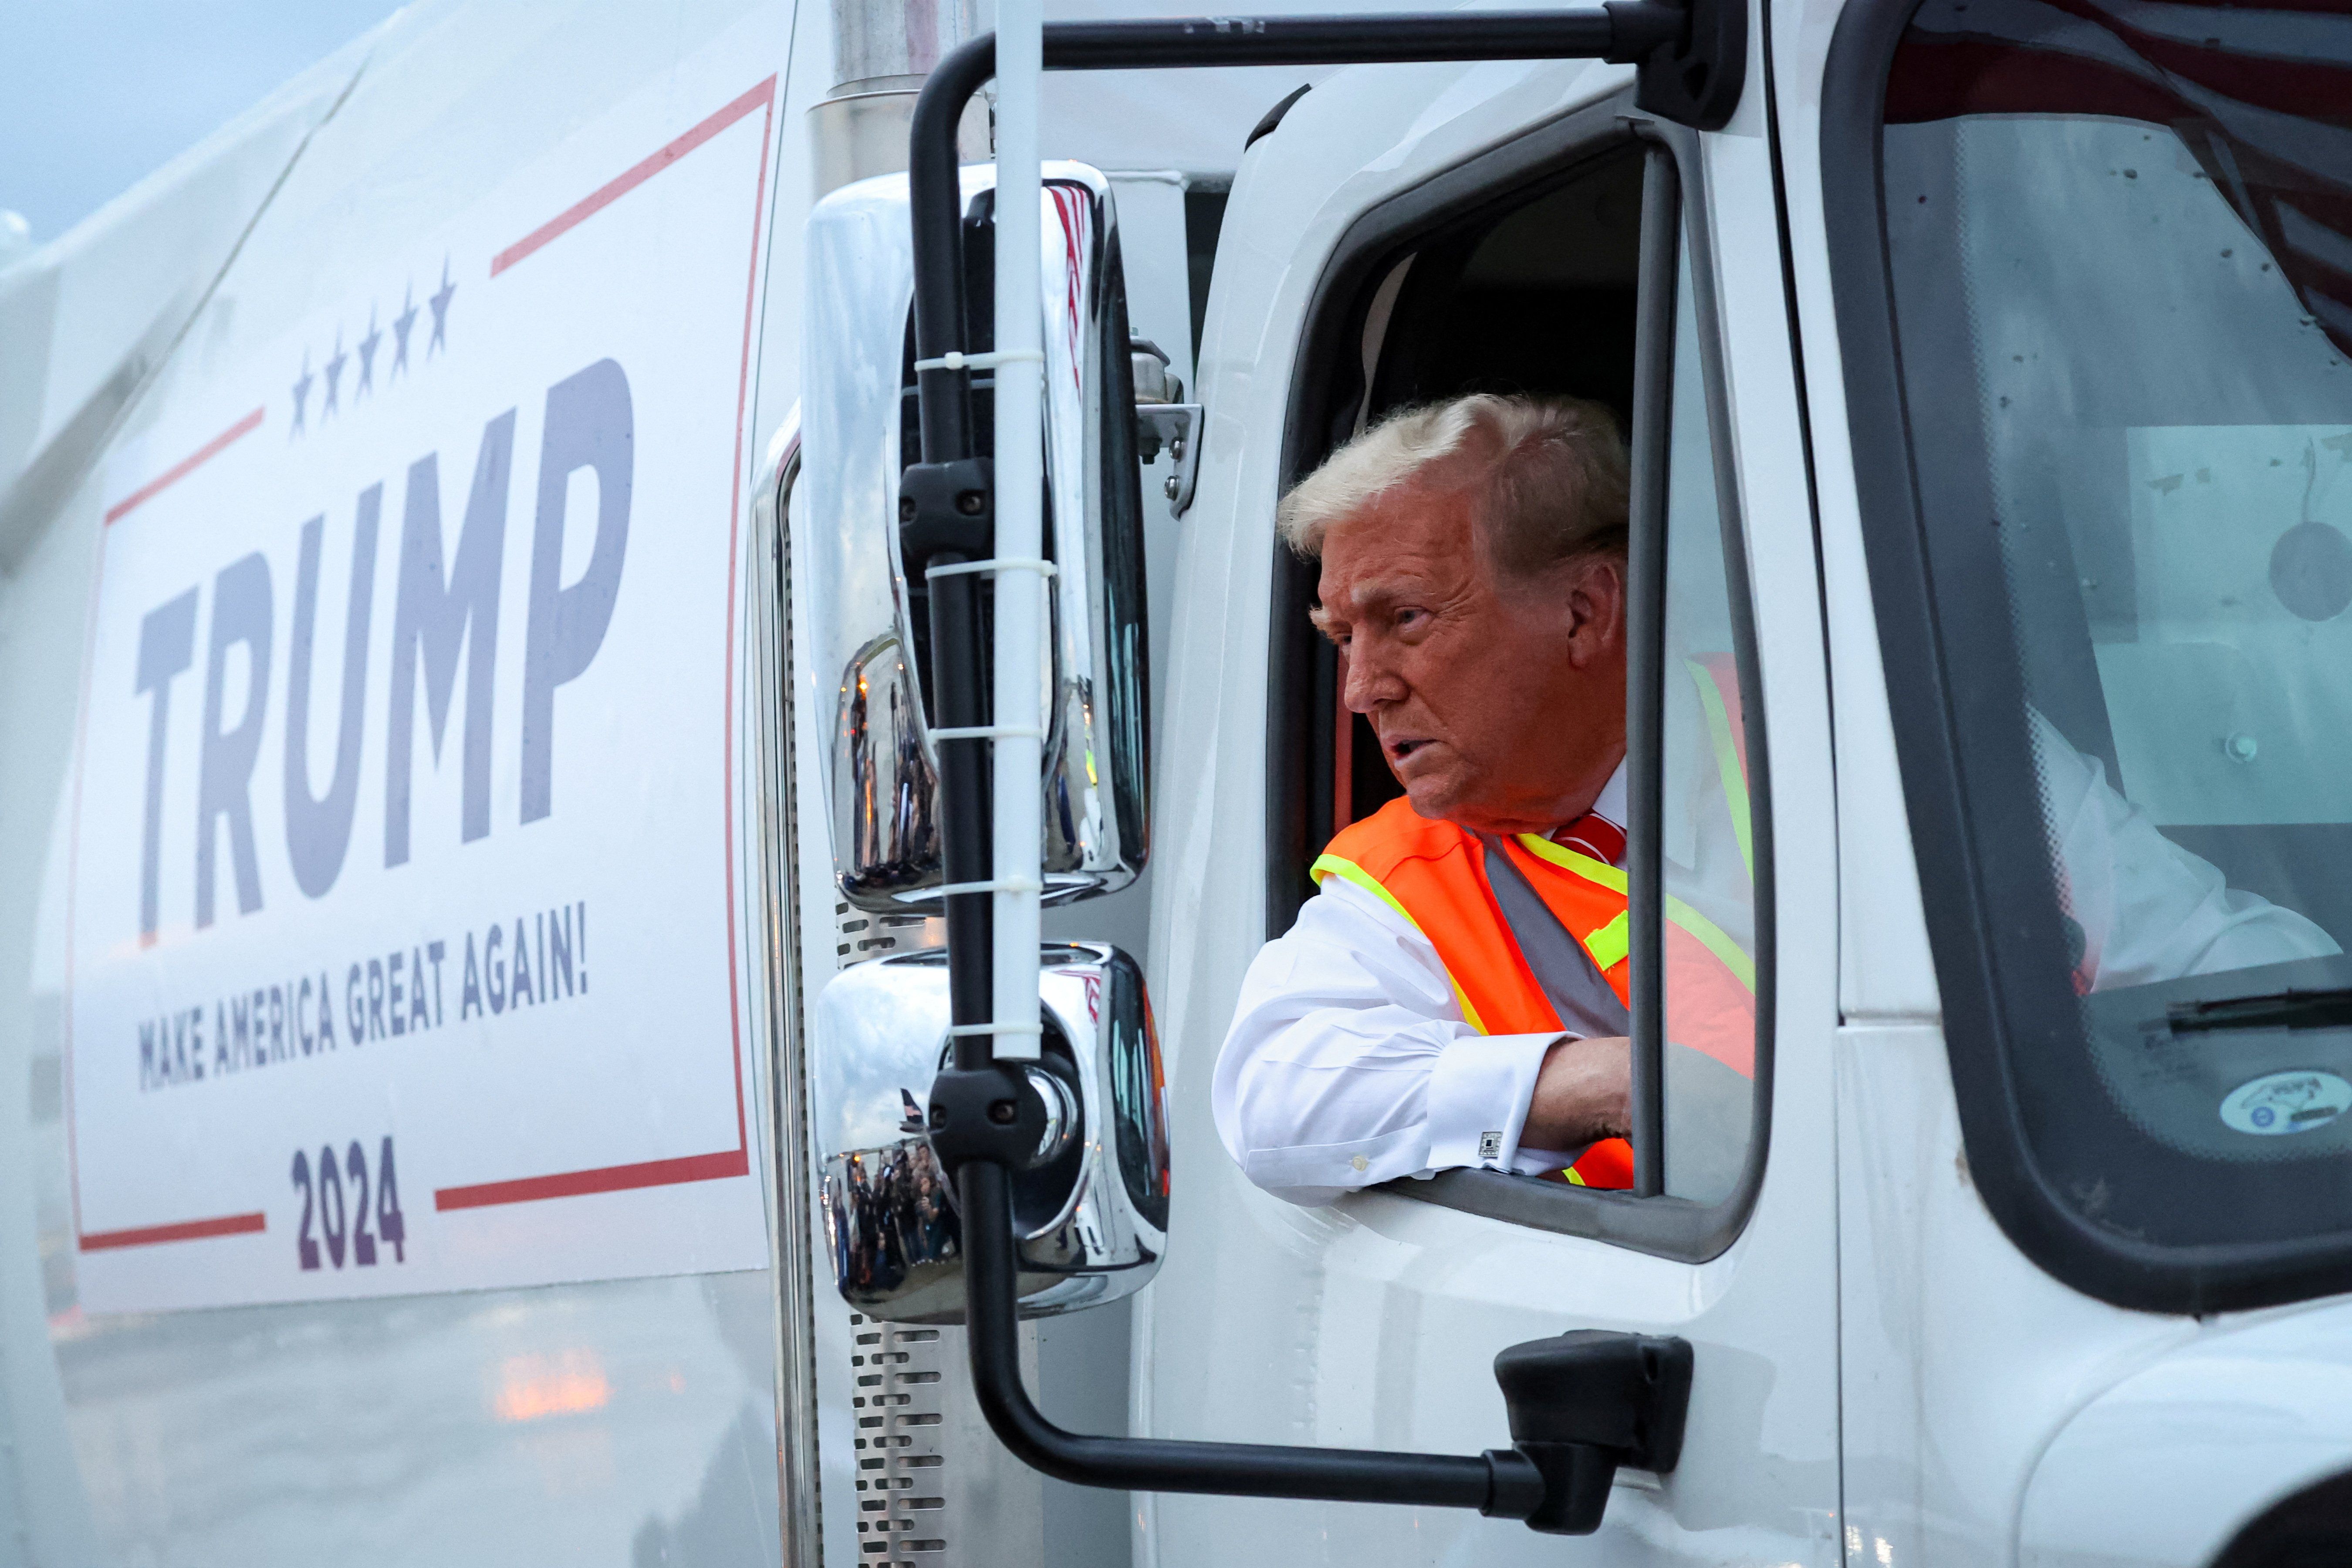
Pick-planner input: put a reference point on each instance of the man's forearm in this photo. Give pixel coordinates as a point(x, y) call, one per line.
point(1582, 1094)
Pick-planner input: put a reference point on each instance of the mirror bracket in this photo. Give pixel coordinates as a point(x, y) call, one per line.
point(1691, 74)
point(1178, 426)
point(990, 1112)
point(946, 509)
point(1582, 1403)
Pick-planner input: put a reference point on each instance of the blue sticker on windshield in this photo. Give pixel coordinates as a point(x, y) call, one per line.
point(2283, 1102)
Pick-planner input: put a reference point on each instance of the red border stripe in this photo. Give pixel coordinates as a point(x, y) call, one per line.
point(606, 1179)
point(187, 466)
point(186, 1230)
point(606, 195)
point(734, 536)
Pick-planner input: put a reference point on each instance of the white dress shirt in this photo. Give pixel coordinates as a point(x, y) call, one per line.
point(1349, 1062)
point(2148, 909)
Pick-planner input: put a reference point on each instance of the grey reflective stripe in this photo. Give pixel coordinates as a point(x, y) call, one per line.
point(1570, 980)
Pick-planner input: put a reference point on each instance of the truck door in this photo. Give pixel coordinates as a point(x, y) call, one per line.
point(1409, 233)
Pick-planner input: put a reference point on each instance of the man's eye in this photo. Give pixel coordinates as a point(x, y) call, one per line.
point(1409, 616)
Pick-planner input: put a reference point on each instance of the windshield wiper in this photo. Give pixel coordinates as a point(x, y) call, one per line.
point(2330, 1008)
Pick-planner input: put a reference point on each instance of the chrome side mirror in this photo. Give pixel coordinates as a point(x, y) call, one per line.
point(869, 622)
point(1091, 1216)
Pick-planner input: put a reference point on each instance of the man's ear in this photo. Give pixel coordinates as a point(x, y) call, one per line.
point(1592, 598)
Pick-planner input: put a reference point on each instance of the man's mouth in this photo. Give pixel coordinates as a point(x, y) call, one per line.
point(1403, 747)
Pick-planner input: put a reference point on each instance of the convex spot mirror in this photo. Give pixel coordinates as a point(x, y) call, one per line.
point(870, 622)
point(1092, 1219)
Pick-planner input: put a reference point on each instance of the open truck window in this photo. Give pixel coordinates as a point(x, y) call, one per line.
point(2116, 268)
point(1527, 273)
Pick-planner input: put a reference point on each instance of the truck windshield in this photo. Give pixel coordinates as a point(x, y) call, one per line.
point(2120, 236)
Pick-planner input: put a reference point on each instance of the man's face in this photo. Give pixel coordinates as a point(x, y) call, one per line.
point(1500, 704)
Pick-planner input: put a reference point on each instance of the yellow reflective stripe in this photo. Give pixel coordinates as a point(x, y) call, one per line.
point(1726, 760)
point(1711, 937)
point(1612, 941)
point(1584, 866)
point(1708, 933)
point(1348, 871)
point(1573, 1179)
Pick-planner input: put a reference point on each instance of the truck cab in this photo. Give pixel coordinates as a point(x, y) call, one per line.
point(1881, 317)
point(1984, 371)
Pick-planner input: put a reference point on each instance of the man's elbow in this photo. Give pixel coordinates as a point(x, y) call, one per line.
point(1307, 1133)
point(1295, 1174)
point(1259, 1142)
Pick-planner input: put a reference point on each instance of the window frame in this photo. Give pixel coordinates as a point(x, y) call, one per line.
point(1300, 738)
point(2003, 983)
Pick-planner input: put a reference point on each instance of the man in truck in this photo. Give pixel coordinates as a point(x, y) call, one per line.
point(1454, 994)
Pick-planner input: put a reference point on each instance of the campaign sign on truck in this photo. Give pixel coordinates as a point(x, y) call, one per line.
point(402, 884)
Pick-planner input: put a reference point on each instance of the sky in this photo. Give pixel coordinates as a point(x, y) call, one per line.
point(97, 94)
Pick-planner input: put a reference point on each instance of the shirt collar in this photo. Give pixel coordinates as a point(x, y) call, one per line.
point(1609, 804)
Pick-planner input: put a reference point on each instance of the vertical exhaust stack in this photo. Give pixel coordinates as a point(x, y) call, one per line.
point(882, 50)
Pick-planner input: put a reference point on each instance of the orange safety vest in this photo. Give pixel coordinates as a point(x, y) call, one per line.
point(1434, 873)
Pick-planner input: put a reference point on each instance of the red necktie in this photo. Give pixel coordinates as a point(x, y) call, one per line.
point(1594, 834)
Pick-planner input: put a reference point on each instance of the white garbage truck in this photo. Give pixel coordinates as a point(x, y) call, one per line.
point(543, 1020)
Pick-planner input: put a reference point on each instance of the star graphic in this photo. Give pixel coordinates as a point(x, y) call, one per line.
point(439, 301)
point(400, 327)
point(367, 357)
point(334, 377)
point(301, 394)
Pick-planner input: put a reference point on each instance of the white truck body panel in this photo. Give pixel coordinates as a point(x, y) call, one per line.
point(2170, 1462)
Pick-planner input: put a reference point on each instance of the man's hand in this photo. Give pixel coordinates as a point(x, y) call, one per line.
point(1583, 1093)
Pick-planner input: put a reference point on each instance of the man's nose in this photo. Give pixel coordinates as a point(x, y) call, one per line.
point(1366, 681)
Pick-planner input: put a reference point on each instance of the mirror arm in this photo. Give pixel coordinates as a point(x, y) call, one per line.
point(946, 517)
point(1502, 1482)
point(1580, 1404)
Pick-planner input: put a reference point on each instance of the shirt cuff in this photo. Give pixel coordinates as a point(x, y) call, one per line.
point(1544, 1162)
point(1478, 1096)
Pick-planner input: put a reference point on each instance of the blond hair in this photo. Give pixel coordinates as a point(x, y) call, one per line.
point(1547, 477)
